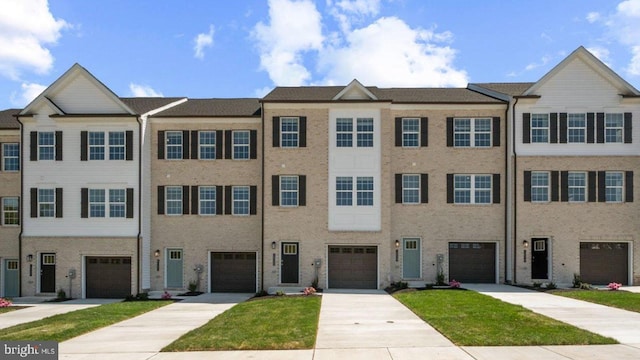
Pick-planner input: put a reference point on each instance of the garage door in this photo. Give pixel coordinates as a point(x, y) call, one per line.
point(472, 262)
point(233, 272)
point(602, 263)
point(108, 277)
point(353, 267)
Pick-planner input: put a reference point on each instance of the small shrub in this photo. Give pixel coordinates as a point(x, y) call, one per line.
point(454, 284)
point(62, 295)
point(585, 286)
point(537, 284)
point(4, 302)
point(193, 286)
point(314, 283)
point(440, 279)
point(280, 293)
point(614, 286)
point(309, 290)
point(577, 281)
point(551, 285)
point(261, 293)
point(166, 295)
point(143, 296)
point(130, 297)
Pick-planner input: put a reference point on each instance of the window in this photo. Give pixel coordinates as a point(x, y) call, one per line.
point(96, 203)
point(613, 128)
point(344, 191)
point(614, 186)
point(411, 132)
point(365, 132)
point(539, 128)
point(577, 186)
point(46, 203)
point(207, 200)
point(344, 132)
point(96, 145)
point(46, 146)
point(576, 129)
point(472, 132)
point(539, 186)
point(364, 187)
point(174, 200)
point(207, 145)
point(288, 191)
point(240, 200)
point(472, 189)
point(10, 211)
point(11, 157)
point(289, 132)
point(117, 203)
point(410, 189)
point(116, 145)
point(174, 144)
point(241, 144)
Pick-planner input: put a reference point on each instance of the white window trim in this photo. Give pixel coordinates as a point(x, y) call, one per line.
point(167, 200)
point(358, 191)
point(52, 146)
point(585, 187)
point(234, 200)
point(622, 187)
point(97, 147)
point(234, 145)
point(283, 191)
point(472, 189)
point(283, 132)
point(40, 203)
point(201, 201)
point(109, 147)
point(548, 187)
point(341, 132)
point(103, 204)
point(473, 132)
point(621, 128)
point(201, 146)
point(167, 145)
point(417, 133)
point(5, 212)
point(365, 132)
point(547, 128)
point(109, 203)
point(415, 189)
point(351, 191)
point(583, 128)
point(5, 157)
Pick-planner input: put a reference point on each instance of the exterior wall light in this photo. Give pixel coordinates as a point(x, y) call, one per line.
point(273, 245)
point(30, 258)
point(156, 253)
point(525, 243)
point(397, 243)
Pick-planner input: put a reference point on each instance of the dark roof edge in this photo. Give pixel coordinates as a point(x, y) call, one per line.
point(527, 97)
point(490, 93)
point(92, 115)
point(205, 116)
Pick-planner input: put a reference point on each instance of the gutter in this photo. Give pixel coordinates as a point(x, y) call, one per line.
point(21, 212)
point(262, 203)
point(514, 200)
point(506, 205)
point(139, 237)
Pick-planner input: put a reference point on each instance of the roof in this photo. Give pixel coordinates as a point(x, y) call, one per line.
point(511, 89)
point(244, 107)
point(142, 105)
point(8, 119)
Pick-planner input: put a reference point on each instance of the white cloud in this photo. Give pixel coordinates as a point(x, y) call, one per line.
point(543, 61)
point(593, 17)
point(601, 53)
point(202, 41)
point(634, 65)
point(27, 27)
point(347, 12)
point(624, 25)
point(29, 91)
point(138, 90)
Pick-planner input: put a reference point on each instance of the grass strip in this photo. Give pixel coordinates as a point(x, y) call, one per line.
point(619, 299)
point(69, 325)
point(283, 322)
point(4, 310)
point(468, 318)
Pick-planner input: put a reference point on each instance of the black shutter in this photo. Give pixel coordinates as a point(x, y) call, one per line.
point(185, 200)
point(34, 202)
point(58, 145)
point(253, 200)
point(161, 142)
point(228, 199)
point(253, 144)
point(527, 186)
point(302, 142)
point(424, 188)
point(563, 128)
point(194, 144)
point(228, 144)
point(628, 138)
point(591, 186)
point(449, 188)
point(195, 199)
point(590, 128)
point(160, 200)
point(185, 144)
point(496, 188)
point(602, 186)
point(496, 131)
point(553, 124)
point(526, 128)
point(628, 186)
point(600, 127)
point(398, 131)
point(554, 185)
point(449, 131)
point(275, 190)
point(83, 145)
point(219, 143)
point(302, 190)
point(33, 146)
point(564, 184)
point(424, 132)
point(276, 131)
point(129, 203)
point(398, 188)
point(128, 145)
point(84, 203)
point(219, 199)
point(59, 199)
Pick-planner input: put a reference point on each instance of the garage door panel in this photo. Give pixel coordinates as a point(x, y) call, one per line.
point(353, 267)
point(604, 262)
point(233, 272)
point(472, 262)
point(108, 277)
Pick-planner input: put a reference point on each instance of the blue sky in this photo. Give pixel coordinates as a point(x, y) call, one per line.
point(205, 49)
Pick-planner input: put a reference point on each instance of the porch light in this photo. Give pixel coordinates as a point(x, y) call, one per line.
point(30, 258)
point(525, 243)
point(156, 253)
point(273, 245)
point(397, 243)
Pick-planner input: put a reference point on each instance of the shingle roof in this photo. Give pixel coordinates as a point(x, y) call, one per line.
point(247, 107)
point(143, 105)
point(8, 120)
point(511, 89)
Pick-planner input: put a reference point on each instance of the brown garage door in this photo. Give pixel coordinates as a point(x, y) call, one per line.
point(604, 262)
point(472, 262)
point(108, 277)
point(353, 267)
point(233, 272)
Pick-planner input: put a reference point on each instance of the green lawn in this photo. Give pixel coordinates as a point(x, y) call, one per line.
point(10, 308)
point(468, 318)
point(620, 299)
point(284, 322)
point(66, 326)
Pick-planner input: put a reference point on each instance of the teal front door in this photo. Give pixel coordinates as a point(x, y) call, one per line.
point(411, 258)
point(11, 278)
point(174, 268)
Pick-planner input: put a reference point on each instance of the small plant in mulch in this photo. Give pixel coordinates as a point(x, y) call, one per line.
point(454, 284)
point(551, 285)
point(396, 286)
point(193, 290)
point(309, 291)
point(143, 296)
point(4, 302)
point(614, 286)
point(61, 296)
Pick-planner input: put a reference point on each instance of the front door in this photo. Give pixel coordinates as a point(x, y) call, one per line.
point(47, 273)
point(11, 278)
point(174, 268)
point(540, 258)
point(411, 259)
point(289, 263)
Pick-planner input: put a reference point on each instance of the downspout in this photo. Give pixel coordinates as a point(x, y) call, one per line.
point(262, 205)
point(139, 239)
point(514, 197)
point(507, 202)
point(20, 205)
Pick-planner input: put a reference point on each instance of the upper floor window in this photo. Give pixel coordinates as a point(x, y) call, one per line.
point(174, 144)
point(410, 189)
point(10, 211)
point(96, 203)
point(614, 186)
point(364, 186)
point(365, 132)
point(539, 128)
point(613, 128)
point(364, 190)
point(96, 145)
point(472, 132)
point(472, 189)
point(174, 200)
point(10, 157)
point(289, 190)
point(241, 144)
point(207, 145)
point(576, 128)
point(289, 132)
point(344, 132)
point(411, 132)
point(117, 147)
point(117, 203)
point(577, 186)
point(46, 145)
point(241, 200)
point(344, 191)
point(208, 199)
point(46, 203)
point(539, 186)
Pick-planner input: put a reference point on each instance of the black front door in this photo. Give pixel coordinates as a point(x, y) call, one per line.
point(289, 264)
point(540, 258)
point(47, 273)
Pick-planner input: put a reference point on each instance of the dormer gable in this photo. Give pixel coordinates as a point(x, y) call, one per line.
point(355, 91)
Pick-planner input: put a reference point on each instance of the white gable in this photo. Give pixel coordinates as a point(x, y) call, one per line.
point(355, 91)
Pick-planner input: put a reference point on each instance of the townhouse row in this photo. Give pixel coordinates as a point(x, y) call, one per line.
point(336, 186)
